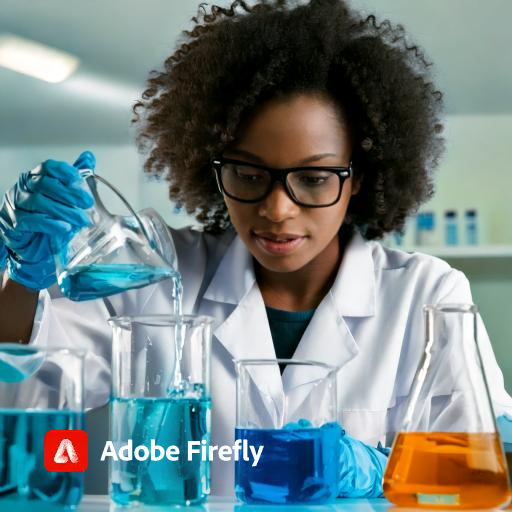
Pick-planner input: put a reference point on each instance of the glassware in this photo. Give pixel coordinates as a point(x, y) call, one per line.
point(161, 392)
point(448, 452)
point(116, 253)
point(295, 420)
point(471, 227)
point(451, 228)
point(40, 390)
point(508, 456)
point(425, 229)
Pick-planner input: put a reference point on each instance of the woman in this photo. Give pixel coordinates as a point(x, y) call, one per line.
point(323, 130)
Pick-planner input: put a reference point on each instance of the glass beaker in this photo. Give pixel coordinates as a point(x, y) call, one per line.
point(294, 419)
point(115, 253)
point(160, 397)
point(40, 390)
point(448, 452)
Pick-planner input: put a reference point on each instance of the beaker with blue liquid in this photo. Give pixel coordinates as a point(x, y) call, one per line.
point(160, 397)
point(115, 253)
point(40, 390)
point(294, 418)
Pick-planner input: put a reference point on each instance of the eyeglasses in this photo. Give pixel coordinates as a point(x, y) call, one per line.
point(313, 187)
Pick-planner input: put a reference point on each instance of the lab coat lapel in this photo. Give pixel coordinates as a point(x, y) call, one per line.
point(245, 333)
point(328, 338)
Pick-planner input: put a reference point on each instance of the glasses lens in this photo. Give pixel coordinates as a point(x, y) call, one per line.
point(315, 187)
point(244, 182)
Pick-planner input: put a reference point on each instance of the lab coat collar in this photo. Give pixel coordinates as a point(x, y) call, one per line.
point(246, 334)
point(353, 291)
point(234, 276)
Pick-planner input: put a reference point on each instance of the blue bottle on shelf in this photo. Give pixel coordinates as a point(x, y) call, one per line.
point(425, 229)
point(451, 232)
point(471, 227)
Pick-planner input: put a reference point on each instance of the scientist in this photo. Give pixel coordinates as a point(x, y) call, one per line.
point(298, 135)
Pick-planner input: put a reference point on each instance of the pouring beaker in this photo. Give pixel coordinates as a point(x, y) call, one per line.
point(115, 253)
point(448, 452)
point(160, 394)
point(40, 390)
point(294, 418)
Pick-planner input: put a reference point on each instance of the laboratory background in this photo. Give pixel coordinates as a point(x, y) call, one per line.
point(113, 44)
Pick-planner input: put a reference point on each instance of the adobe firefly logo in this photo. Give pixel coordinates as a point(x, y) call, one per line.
point(65, 450)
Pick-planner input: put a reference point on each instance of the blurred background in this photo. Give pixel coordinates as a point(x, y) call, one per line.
point(117, 42)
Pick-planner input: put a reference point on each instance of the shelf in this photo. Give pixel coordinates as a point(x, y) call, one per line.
point(461, 251)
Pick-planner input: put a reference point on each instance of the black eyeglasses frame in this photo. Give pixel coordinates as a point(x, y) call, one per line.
point(280, 175)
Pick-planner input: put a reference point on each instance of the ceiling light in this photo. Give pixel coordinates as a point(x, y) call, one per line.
point(35, 59)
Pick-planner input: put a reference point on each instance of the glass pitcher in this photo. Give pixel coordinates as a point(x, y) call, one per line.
point(41, 390)
point(295, 420)
point(448, 452)
point(115, 253)
point(160, 395)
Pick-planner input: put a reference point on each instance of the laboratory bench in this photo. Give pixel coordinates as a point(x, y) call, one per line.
point(101, 503)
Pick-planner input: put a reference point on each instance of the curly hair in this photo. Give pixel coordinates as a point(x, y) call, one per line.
point(238, 57)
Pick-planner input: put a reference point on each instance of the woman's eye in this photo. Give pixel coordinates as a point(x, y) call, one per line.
point(246, 175)
point(313, 180)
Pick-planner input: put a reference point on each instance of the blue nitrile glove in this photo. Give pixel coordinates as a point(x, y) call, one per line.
point(3, 255)
point(361, 469)
point(42, 212)
point(505, 429)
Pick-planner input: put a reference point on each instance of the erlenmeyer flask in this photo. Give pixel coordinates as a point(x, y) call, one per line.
point(448, 453)
point(116, 253)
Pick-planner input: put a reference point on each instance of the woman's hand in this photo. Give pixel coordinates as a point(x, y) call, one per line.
point(40, 213)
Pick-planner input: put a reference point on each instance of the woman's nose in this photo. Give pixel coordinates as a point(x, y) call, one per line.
point(278, 206)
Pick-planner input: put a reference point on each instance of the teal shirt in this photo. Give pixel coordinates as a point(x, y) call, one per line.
point(287, 328)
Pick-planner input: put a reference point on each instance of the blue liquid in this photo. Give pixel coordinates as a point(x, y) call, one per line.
point(25, 484)
point(95, 281)
point(471, 231)
point(296, 465)
point(169, 421)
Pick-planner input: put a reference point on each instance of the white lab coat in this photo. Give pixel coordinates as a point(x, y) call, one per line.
point(370, 324)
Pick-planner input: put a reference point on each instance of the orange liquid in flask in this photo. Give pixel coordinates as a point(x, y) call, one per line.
point(508, 456)
point(447, 470)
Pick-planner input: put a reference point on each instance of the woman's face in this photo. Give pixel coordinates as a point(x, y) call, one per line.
point(297, 131)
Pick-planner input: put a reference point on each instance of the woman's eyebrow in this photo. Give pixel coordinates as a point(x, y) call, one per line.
point(314, 158)
point(256, 158)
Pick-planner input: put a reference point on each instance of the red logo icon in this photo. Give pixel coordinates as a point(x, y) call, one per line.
point(65, 450)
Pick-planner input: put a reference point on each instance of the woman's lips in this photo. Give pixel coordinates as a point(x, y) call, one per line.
point(279, 245)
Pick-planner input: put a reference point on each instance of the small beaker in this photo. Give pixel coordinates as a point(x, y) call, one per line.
point(448, 452)
point(293, 420)
point(160, 403)
point(40, 390)
point(115, 253)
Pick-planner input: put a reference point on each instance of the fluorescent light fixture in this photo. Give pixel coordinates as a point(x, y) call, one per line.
point(35, 59)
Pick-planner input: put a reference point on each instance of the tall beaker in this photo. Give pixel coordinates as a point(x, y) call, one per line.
point(448, 453)
point(115, 253)
point(40, 390)
point(293, 421)
point(160, 404)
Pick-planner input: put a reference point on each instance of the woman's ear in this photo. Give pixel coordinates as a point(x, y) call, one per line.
point(357, 182)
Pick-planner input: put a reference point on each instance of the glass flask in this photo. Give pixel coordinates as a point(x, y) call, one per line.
point(505, 429)
point(115, 253)
point(448, 453)
point(294, 418)
point(160, 394)
point(40, 390)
